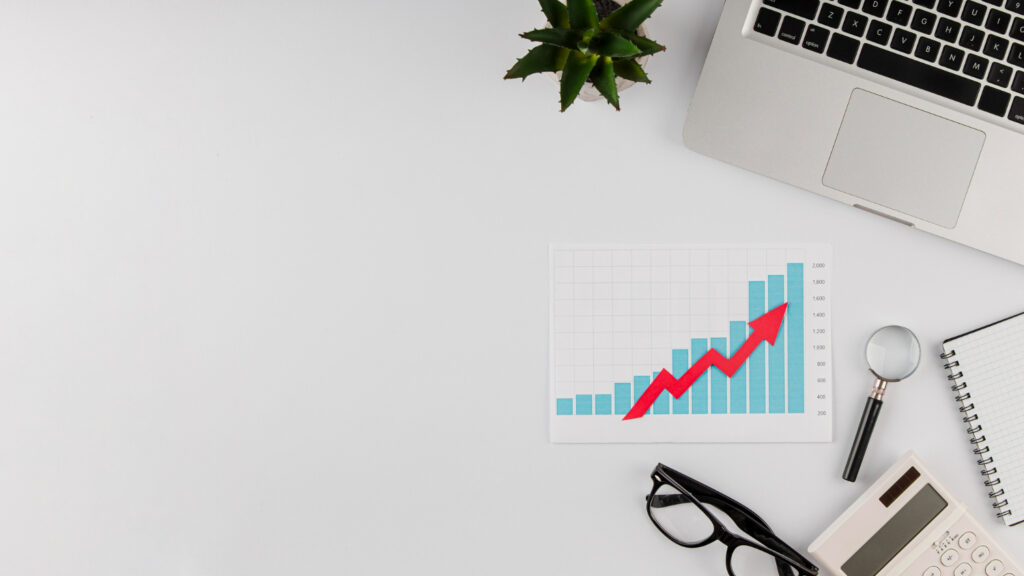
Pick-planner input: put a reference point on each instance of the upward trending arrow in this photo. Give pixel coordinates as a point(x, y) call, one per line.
point(765, 329)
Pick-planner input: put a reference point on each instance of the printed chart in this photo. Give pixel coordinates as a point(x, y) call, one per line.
point(620, 315)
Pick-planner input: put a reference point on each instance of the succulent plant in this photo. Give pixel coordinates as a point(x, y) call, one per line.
point(584, 48)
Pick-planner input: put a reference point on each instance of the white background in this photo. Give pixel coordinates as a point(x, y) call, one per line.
point(273, 296)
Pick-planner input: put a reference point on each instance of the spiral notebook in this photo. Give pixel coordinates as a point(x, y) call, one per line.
point(986, 367)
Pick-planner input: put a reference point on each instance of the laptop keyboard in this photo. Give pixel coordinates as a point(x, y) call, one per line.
point(967, 51)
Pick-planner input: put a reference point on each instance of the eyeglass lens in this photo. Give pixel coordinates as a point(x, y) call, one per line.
point(750, 561)
point(679, 517)
point(682, 520)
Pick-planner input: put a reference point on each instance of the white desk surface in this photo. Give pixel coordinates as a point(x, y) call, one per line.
point(273, 297)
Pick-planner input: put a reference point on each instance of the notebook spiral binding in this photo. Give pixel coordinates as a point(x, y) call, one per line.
point(974, 430)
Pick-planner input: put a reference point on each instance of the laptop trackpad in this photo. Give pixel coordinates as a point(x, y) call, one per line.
point(904, 158)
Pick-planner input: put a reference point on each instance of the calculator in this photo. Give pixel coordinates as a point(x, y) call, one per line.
point(908, 524)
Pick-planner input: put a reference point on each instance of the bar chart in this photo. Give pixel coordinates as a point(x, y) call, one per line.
point(622, 314)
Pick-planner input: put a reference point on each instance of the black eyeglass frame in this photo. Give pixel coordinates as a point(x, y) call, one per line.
point(696, 493)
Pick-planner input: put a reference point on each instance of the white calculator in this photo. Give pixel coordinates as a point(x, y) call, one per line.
point(908, 524)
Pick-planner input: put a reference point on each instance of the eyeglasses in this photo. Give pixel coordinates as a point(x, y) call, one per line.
point(678, 506)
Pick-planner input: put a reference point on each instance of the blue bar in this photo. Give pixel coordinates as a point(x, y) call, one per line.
point(563, 407)
point(756, 361)
point(663, 402)
point(584, 404)
point(738, 382)
point(622, 401)
point(640, 384)
point(680, 364)
point(719, 381)
point(602, 404)
point(795, 335)
point(777, 353)
point(699, 398)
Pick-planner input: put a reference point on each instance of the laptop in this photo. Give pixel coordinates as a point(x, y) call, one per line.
point(910, 110)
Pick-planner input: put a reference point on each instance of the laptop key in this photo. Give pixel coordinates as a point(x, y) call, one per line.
point(927, 49)
point(951, 7)
point(994, 101)
point(923, 21)
point(855, 4)
point(879, 32)
point(975, 66)
point(767, 21)
point(1018, 82)
point(855, 24)
point(1017, 30)
point(972, 38)
point(1000, 75)
point(995, 47)
point(925, 3)
point(1015, 6)
point(831, 16)
point(951, 58)
point(816, 38)
point(1017, 55)
point(903, 41)
point(1017, 110)
point(899, 13)
point(792, 29)
point(877, 7)
point(973, 13)
point(997, 21)
point(806, 8)
point(948, 30)
point(918, 74)
point(843, 48)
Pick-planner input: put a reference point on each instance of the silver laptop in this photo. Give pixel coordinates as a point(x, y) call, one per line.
point(911, 110)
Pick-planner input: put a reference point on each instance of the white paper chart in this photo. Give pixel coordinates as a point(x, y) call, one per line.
point(620, 314)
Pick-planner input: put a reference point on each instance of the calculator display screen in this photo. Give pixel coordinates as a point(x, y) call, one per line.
point(895, 534)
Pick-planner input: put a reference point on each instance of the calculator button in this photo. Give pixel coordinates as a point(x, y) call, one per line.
point(994, 568)
point(967, 540)
point(963, 570)
point(949, 557)
point(932, 571)
point(980, 554)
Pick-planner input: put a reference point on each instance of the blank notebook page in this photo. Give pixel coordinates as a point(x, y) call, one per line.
point(992, 362)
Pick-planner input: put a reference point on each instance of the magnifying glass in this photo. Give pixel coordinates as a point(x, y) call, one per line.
point(893, 353)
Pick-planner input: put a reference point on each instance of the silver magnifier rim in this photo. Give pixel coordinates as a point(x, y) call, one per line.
point(917, 363)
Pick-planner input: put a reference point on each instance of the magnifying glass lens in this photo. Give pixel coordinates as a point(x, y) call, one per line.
point(893, 353)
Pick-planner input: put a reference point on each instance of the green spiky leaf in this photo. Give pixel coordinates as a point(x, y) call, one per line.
point(612, 45)
point(574, 75)
point(584, 44)
point(543, 58)
point(631, 70)
point(646, 45)
point(582, 14)
point(554, 36)
point(603, 78)
point(555, 12)
point(630, 16)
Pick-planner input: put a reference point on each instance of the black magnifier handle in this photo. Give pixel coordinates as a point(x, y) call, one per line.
point(860, 441)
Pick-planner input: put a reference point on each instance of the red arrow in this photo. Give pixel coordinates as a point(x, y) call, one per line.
point(766, 329)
